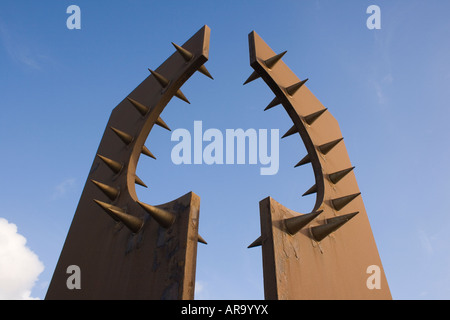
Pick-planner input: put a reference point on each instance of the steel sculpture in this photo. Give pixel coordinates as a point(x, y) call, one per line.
point(127, 249)
point(124, 248)
point(324, 254)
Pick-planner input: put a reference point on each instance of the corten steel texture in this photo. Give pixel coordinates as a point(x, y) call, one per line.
point(324, 254)
point(127, 249)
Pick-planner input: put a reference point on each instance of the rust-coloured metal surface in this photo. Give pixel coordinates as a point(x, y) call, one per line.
point(127, 249)
point(324, 254)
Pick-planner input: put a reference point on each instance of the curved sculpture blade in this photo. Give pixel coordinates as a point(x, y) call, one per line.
point(127, 249)
point(297, 264)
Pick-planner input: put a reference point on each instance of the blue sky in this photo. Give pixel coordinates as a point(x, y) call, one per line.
point(388, 88)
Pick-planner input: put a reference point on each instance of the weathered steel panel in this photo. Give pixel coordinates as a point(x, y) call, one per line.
point(127, 249)
point(326, 253)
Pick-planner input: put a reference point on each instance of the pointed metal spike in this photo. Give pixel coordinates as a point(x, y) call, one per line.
point(295, 87)
point(140, 182)
point(295, 224)
point(205, 71)
point(125, 137)
point(143, 110)
point(271, 62)
point(314, 116)
point(102, 204)
point(305, 160)
point(111, 192)
point(276, 101)
point(160, 78)
point(201, 240)
point(321, 232)
point(252, 77)
point(256, 243)
point(290, 132)
point(106, 207)
point(160, 122)
point(131, 222)
point(187, 56)
point(181, 96)
point(113, 165)
point(337, 176)
point(340, 203)
point(344, 217)
point(163, 217)
point(311, 190)
point(147, 152)
point(327, 147)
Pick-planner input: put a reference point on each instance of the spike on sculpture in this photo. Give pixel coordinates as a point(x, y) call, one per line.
point(323, 254)
point(125, 248)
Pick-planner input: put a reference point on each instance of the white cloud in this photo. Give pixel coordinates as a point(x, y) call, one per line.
point(19, 266)
point(426, 242)
point(201, 293)
point(19, 52)
point(62, 188)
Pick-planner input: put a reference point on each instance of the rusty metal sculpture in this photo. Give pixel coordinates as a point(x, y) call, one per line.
point(127, 249)
point(324, 254)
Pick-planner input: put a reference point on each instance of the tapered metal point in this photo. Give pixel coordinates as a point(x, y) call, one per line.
point(181, 96)
point(276, 101)
point(140, 182)
point(147, 152)
point(290, 132)
point(256, 243)
point(143, 110)
point(305, 160)
point(106, 207)
point(160, 122)
point(201, 240)
point(271, 62)
point(321, 232)
point(164, 218)
point(187, 56)
point(295, 87)
point(340, 203)
point(252, 77)
point(345, 217)
point(125, 137)
point(314, 116)
point(327, 147)
point(165, 82)
point(113, 165)
point(111, 192)
point(205, 71)
point(311, 190)
point(295, 224)
point(337, 176)
point(160, 78)
point(131, 222)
